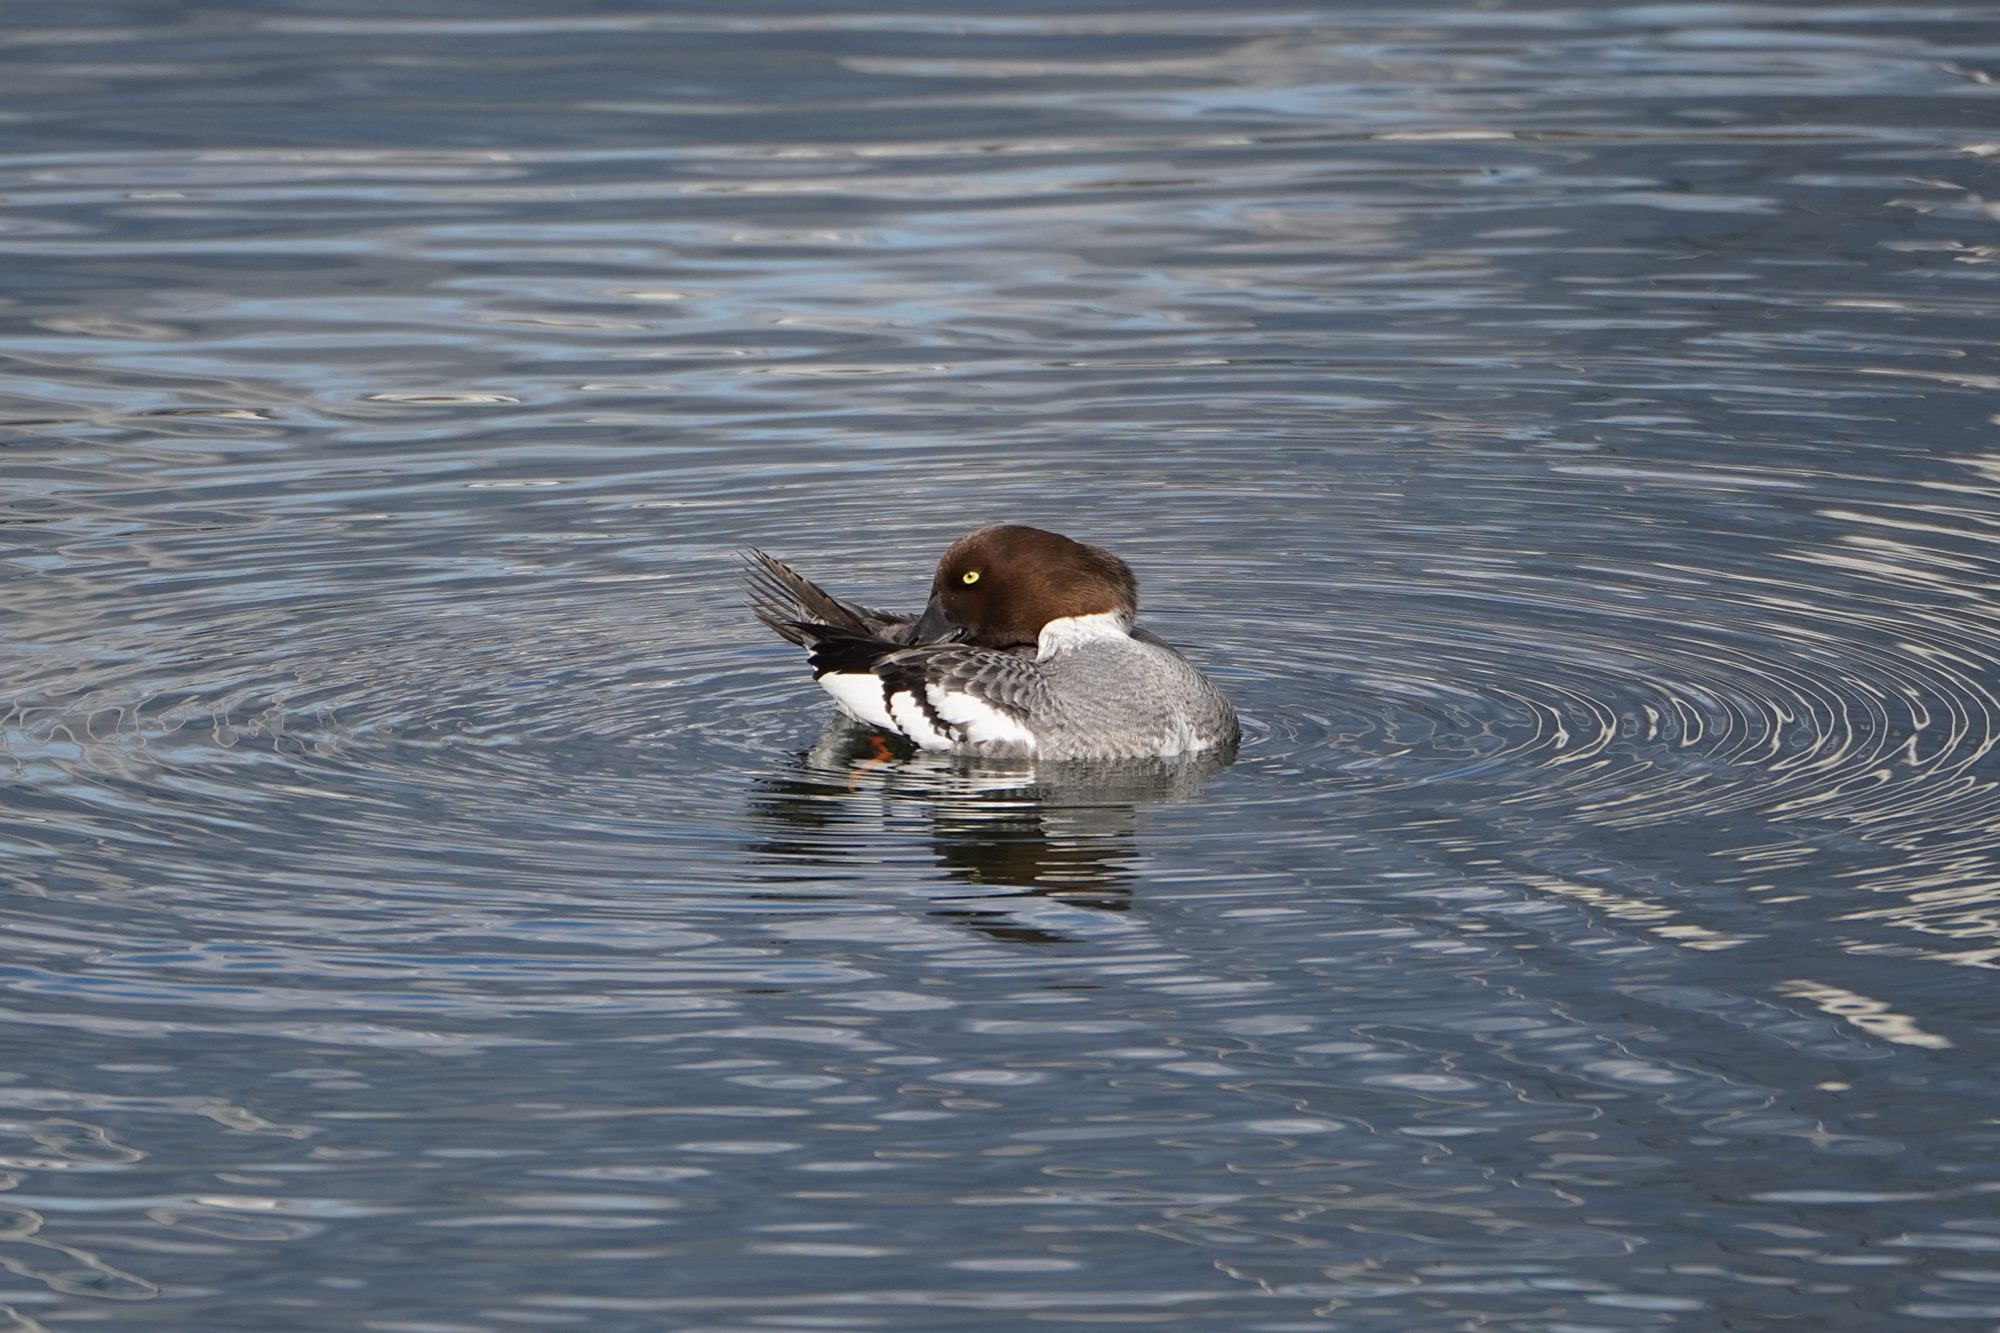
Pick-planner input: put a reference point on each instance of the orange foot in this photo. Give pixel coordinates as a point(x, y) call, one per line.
point(862, 763)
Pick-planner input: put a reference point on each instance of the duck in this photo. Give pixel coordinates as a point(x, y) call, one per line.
point(1029, 648)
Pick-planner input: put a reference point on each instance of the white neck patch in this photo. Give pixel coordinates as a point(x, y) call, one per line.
point(1067, 632)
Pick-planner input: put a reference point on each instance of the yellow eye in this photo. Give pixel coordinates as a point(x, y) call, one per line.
point(969, 576)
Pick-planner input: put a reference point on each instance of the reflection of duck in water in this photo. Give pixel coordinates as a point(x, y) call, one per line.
point(1064, 831)
point(1028, 649)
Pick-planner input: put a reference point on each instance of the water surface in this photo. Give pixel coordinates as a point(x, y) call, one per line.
point(428, 900)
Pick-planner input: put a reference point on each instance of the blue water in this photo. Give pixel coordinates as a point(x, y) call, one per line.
point(430, 903)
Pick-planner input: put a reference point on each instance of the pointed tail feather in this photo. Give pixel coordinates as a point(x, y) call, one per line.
point(802, 612)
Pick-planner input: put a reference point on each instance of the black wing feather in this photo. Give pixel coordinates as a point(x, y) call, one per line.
point(804, 613)
point(1005, 681)
point(844, 638)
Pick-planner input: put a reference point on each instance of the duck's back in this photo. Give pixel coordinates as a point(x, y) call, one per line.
point(1125, 696)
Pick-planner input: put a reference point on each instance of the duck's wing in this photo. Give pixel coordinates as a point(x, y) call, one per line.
point(940, 696)
point(805, 613)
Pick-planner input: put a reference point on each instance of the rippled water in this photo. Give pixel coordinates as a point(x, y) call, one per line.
point(429, 903)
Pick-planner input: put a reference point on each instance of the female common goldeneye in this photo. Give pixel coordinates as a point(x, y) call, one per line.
point(1027, 649)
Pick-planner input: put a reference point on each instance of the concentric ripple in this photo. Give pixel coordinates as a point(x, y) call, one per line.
point(1744, 693)
point(428, 899)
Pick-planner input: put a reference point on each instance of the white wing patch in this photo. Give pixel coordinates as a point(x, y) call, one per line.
point(979, 722)
point(859, 695)
point(910, 720)
point(944, 718)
